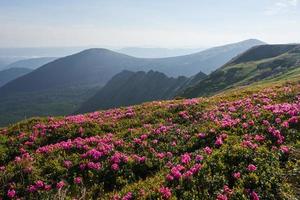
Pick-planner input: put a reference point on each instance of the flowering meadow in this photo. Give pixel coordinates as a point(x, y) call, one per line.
point(243, 144)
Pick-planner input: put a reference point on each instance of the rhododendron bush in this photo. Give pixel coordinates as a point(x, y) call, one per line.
point(240, 145)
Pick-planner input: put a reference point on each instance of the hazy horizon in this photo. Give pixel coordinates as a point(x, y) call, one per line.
point(136, 23)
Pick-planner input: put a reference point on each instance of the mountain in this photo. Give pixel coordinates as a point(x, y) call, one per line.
point(31, 63)
point(97, 66)
point(130, 88)
point(157, 52)
point(87, 68)
point(61, 86)
point(8, 75)
point(240, 145)
point(205, 61)
point(6, 60)
point(257, 64)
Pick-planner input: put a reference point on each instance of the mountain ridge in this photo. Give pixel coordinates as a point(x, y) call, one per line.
point(130, 88)
point(251, 70)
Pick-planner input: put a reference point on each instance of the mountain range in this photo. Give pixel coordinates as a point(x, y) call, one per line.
point(130, 88)
point(258, 63)
point(61, 86)
point(30, 63)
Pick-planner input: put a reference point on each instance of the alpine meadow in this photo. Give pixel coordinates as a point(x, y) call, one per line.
point(150, 100)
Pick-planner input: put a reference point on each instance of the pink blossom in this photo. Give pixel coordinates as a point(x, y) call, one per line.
point(221, 197)
point(201, 135)
point(207, 150)
point(237, 175)
point(198, 158)
point(170, 177)
point(251, 167)
point(32, 188)
point(60, 184)
point(128, 196)
point(219, 142)
point(39, 184)
point(284, 149)
point(47, 187)
point(165, 192)
point(185, 158)
point(93, 165)
point(77, 180)
point(254, 196)
point(11, 193)
point(67, 164)
point(115, 167)
point(2, 168)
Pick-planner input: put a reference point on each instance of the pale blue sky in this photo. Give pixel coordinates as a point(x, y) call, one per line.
point(157, 23)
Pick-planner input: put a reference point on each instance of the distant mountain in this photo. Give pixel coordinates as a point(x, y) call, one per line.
point(4, 61)
point(257, 64)
point(11, 74)
point(204, 61)
point(93, 67)
point(157, 52)
point(129, 88)
point(31, 63)
point(59, 87)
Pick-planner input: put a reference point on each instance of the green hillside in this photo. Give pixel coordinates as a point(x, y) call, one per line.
point(8, 75)
point(131, 88)
point(257, 64)
point(242, 144)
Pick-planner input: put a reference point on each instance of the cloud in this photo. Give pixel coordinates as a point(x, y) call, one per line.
point(281, 6)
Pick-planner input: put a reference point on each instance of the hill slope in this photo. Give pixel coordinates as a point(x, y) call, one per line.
point(31, 63)
point(129, 88)
point(240, 145)
point(8, 75)
point(257, 64)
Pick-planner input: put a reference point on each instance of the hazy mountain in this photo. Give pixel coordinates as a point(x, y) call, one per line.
point(59, 87)
point(4, 61)
point(204, 61)
point(11, 74)
point(257, 64)
point(31, 63)
point(129, 88)
point(157, 52)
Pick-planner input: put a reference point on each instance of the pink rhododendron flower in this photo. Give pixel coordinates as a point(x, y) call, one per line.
point(32, 188)
point(165, 192)
point(11, 193)
point(237, 175)
point(185, 158)
point(128, 196)
point(254, 196)
point(67, 164)
point(221, 197)
point(284, 149)
point(39, 184)
point(47, 187)
point(115, 167)
point(207, 150)
point(251, 167)
point(198, 158)
point(77, 180)
point(60, 184)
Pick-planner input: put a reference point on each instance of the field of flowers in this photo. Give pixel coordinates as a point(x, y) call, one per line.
point(240, 145)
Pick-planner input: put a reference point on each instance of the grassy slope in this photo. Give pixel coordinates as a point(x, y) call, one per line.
point(233, 75)
point(49, 103)
point(277, 175)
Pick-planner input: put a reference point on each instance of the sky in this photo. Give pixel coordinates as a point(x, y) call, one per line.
point(146, 23)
